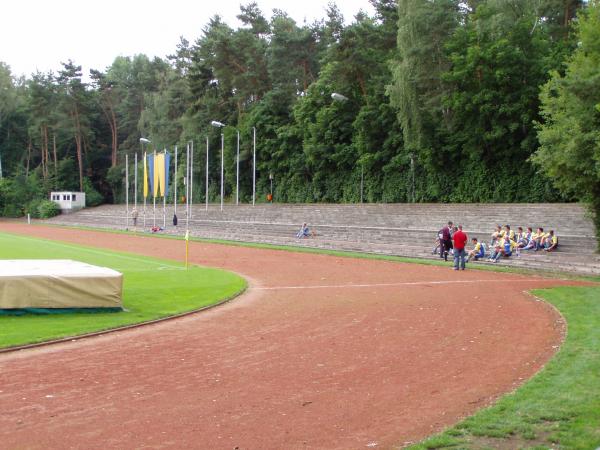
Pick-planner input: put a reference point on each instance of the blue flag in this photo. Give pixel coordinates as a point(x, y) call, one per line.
point(151, 172)
point(167, 166)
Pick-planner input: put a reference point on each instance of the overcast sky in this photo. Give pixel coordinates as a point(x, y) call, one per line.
point(39, 34)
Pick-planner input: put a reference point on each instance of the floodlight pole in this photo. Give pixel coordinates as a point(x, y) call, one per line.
point(206, 184)
point(237, 176)
point(222, 148)
point(135, 177)
point(218, 124)
point(126, 192)
point(253, 165)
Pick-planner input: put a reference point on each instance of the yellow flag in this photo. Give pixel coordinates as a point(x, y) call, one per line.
point(159, 168)
point(159, 160)
point(145, 177)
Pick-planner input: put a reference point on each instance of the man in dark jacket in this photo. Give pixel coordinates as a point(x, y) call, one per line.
point(445, 236)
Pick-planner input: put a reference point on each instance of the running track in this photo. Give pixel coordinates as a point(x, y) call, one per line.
point(320, 352)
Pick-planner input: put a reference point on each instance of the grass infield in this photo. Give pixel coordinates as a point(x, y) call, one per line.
point(152, 289)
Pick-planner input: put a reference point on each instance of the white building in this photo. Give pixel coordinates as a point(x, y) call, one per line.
point(68, 201)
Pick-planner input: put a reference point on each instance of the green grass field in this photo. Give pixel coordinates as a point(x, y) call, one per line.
point(152, 289)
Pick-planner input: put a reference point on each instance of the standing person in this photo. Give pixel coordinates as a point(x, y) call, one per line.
point(460, 241)
point(445, 241)
point(134, 216)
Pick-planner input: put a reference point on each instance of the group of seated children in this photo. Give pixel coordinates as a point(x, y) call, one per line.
point(505, 242)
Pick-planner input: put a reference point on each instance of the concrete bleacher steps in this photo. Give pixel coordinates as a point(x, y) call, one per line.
point(391, 229)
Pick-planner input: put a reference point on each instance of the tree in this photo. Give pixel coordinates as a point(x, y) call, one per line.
point(75, 101)
point(570, 132)
point(417, 88)
point(8, 104)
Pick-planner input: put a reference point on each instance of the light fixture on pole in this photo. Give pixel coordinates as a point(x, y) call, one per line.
point(339, 97)
point(218, 124)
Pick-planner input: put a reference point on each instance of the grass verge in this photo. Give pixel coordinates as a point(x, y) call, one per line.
point(152, 289)
point(560, 406)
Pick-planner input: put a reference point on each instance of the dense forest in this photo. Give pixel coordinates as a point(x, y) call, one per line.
point(438, 100)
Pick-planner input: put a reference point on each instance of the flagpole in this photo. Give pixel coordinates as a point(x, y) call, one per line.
point(175, 185)
point(126, 192)
point(164, 191)
point(191, 178)
point(187, 186)
point(154, 190)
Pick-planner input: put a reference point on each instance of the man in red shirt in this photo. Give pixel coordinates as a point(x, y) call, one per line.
point(460, 240)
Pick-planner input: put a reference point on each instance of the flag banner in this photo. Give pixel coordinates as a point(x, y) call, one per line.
point(159, 174)
point(145, 177)
point(167, 167)
point(151, 174)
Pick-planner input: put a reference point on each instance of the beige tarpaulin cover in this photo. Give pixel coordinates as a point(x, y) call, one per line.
point(58, 283)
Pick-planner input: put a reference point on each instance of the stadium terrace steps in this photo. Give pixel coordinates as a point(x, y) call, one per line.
point(391, 229)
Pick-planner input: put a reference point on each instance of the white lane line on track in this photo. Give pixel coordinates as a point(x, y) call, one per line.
point(112, 253)
point(370, 285)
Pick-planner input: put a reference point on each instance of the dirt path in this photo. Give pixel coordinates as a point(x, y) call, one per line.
point(321, 352)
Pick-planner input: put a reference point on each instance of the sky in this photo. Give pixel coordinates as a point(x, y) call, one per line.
point(40, 34)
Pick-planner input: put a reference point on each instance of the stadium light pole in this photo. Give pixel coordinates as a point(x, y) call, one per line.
point(146, 142)
point(342, 98)
point(237, 171)
point(218, 124)
point(253, 165)
point(206, 184)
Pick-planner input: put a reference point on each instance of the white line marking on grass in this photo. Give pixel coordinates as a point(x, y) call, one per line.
point(113, 254)
point(370, 285)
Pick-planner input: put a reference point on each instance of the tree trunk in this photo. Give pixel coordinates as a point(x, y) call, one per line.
point(28, 158)
point(45, 150)
point(78, 146)
point(115, 137)
point(54, 151)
